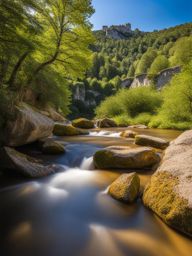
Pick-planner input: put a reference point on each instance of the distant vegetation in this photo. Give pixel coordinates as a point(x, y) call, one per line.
point(141, 53)
point(169, 108)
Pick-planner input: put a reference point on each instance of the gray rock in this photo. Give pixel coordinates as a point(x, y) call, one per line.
point(23, 164)
point(52, 147)
point(169, 193)
point(28, 126)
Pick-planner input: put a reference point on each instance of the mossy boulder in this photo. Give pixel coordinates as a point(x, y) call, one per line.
point(151, 141)
point(125, 188)
point(128, 134)
point(169, 193)
point(67, 130)
point(23, 164)
point(122, 157)
point(52, 147)
point(83, 123)
point(105, 123)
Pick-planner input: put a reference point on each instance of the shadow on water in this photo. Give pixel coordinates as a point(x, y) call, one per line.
point(70, 213)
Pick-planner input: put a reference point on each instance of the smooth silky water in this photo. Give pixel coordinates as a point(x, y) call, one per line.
point(70, 213)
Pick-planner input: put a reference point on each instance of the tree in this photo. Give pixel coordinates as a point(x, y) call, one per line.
point(160, 63)
point(181, 51)
point(146, 61)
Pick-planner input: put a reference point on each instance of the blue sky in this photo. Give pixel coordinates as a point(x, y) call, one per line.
point(146, 15)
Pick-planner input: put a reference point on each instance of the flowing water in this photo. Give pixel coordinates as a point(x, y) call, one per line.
point(70, 213)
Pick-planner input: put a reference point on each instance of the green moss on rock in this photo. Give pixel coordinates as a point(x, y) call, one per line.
point(125, 188)
point(67, 130)
point(160, 195)
point(122, 157)
point(83, 123)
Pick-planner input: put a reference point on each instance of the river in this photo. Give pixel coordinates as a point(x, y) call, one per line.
point(70, 213)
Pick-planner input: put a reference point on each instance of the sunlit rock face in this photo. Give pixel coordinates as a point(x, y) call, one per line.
point(28, 125)
point(122, 157)
point(169, 193)
point(23, 164)
point(125, 188)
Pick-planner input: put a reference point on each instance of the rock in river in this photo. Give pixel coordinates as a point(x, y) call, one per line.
point(52, 147)
point(105, 123)
point(145, 140)
point(125, 188)
point(128, 134)
point(67, 130)
point(169, 193)
point(83, 123)
point(122, 157)
point(23, 164)
point(28, 126)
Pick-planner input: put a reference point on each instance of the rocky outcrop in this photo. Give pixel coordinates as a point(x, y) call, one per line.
point(160, 79)
point(118, 32)
point(122, 157)
point(105, 123)
point(125, 188)
point(83, 123)
point(126, 83)
point(141, 80)
point(23, 164)
point(67, 130)
point(169, 193)
point(128, 134)
point(52, 147)
point(145, 140)
point(165, 76)
point(28, 126)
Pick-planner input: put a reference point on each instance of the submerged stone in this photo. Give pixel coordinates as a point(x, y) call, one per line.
point(151, 141)
point(125, 188)
point(122, 157)
point(169, 193)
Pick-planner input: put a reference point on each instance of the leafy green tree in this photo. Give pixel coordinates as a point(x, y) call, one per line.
point(146, 61)
point(160, 63)
point(181, 51)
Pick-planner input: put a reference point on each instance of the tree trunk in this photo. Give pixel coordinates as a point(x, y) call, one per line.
point(16, 69)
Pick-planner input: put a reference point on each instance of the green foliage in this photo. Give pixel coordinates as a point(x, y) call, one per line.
point(43, 44)
point(181, 51)
point(130, 102)
point(145, 62)
point(160, 63)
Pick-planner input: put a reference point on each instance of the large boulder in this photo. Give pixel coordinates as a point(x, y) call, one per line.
point(169, 193)
point(83, 123)
point(67, 130)
point(105, 123)
point(125, 188)
point(122, 157)
point(23, 164)
point(52, 147)
point(128, 134)
point(27, 126)
point(145, 140)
